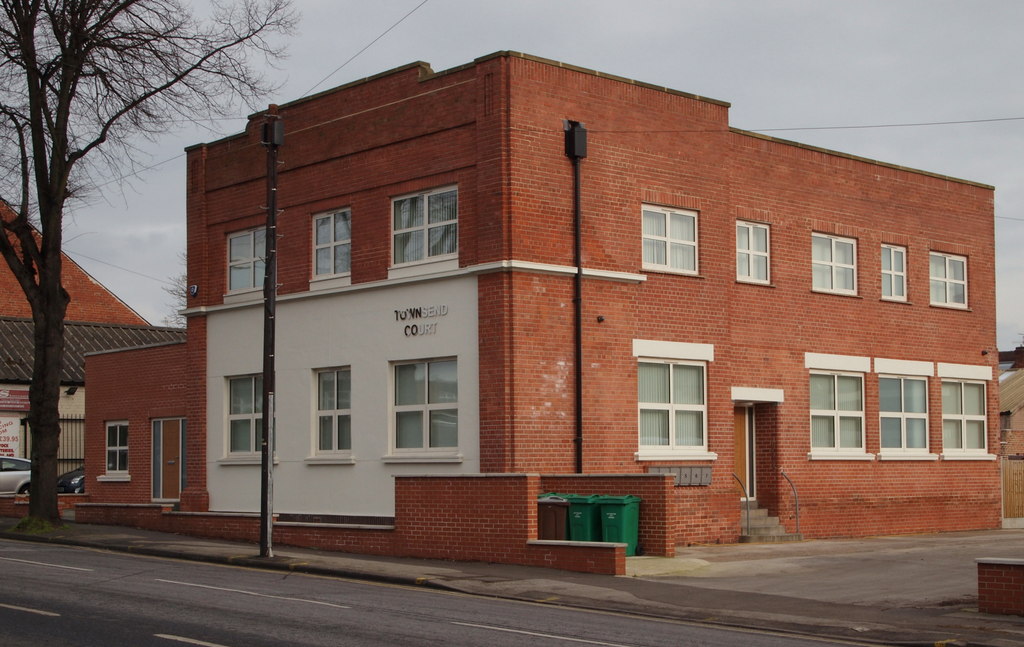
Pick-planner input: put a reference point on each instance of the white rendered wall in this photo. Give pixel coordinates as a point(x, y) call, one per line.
point(359, 329)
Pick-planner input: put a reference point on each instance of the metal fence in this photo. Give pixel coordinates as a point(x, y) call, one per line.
point(71, 453)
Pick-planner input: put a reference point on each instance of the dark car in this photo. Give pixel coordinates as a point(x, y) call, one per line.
point(73, 481)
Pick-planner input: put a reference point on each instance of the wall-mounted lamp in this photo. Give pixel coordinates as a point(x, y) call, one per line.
point(984, 352)
point(71, 390)
point(600, 318)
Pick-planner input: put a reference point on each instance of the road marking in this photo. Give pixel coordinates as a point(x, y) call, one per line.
point(540, 635)
point(189, 641)
point(26, 561)
point(257, 595)
point(38, 612)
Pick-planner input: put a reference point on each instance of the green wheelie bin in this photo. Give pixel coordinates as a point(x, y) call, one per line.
point(620, 520)
point(584, 517)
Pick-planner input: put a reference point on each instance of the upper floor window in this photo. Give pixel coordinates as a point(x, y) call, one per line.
point(903, 410)
point(246, 253)
point(426, 405)
point(752, 252)
point(332, 243)
point(833, 264)
point(894, 273)
point(948, 275)
point(334, 410)
point(673, 406)
point(837, 412)
point(245, 414)
point(425, 226)
point(963, 417)
point(117, 446)
point(669, 240)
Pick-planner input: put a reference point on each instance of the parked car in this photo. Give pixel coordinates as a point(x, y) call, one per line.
point(73, 481)
point(15, 474)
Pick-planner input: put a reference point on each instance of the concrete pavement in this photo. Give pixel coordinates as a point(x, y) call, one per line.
point(919, 589)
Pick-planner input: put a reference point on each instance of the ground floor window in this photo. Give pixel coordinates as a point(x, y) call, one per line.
point(903, 412)
point(117, 446)
point(963, 417)
point(837, 412)
point(426, 405)
point(334, 410)
point(245, 414)
point(672, 403)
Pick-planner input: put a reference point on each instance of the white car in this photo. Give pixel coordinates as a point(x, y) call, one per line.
point(15, 474)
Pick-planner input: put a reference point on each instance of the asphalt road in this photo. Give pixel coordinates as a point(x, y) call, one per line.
point(58, 595)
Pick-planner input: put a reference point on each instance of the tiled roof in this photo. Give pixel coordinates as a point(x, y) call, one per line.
point(79, 339)
point(1011, 391)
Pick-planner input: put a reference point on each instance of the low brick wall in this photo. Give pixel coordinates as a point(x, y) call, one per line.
point(16, 505)
point(479, 517)
point(1001, 586)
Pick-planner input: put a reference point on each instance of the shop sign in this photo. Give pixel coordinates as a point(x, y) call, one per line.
point(10, 436)
point(14, 400)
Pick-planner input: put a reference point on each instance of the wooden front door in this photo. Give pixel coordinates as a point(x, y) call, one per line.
point(167, 459)
point(743, 434)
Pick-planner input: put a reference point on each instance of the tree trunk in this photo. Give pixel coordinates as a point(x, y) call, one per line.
point(44, 416)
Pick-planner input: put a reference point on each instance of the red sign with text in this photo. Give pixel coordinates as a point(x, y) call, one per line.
point(14, 400)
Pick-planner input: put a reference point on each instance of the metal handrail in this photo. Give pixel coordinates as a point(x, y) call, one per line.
point(796, 498)
point(746, 501)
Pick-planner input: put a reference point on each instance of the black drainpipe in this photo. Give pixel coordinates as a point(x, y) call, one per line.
point(576, 150)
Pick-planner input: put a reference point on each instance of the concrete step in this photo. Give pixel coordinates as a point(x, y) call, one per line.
point(770, 539)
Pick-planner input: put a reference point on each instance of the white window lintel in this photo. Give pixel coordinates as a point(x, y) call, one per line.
point(673, 350)
point(965, 371)
point(904, 367)
point(829, 362)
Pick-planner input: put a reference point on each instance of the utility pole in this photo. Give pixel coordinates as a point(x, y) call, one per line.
point(273, 137)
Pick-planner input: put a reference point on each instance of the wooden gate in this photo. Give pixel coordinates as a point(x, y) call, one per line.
point(1013, 489)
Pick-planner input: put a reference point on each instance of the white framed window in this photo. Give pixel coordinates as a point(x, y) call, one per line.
point(334, 410)
point(425, 226)
point(752, 260)
point(669, 239)
point(672, 400)
point(948, 279)
point(426, 405)
point(903, 414)
point(332, 243)
point(964, 418)
point(894, 273)
point(245, 414)
point(247, 251)
point(117, 446)
point(837, 413)
point(833, 264)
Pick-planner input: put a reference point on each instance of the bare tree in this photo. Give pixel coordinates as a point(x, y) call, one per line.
point(177, 289)
point(78, 80)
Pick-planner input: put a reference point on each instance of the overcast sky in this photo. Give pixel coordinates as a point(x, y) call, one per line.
point(808, 66)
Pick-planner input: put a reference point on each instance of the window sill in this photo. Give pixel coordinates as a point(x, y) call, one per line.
point(950, 306)
point(907, 456)
point(243, 296)
point(762, 284)
point(325, 459)
point(421, 268)
point(669, 270)
point(114, 478)
point(674, 455)
point(853, 295)
point(245, 459)
point(899, 301)
point(969, 457)
point(423, 457)
point(330, 282)
point(838, 456)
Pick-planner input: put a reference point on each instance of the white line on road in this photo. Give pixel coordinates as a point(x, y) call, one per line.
point(38, 612)
point(189, 641)
point(540, 635)
point(26, 561)
point(258, 595)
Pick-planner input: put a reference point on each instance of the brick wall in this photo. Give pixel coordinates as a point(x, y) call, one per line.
point(1001, 586)
point(136, 386)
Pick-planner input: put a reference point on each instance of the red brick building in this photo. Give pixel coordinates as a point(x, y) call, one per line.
point(763, 311)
